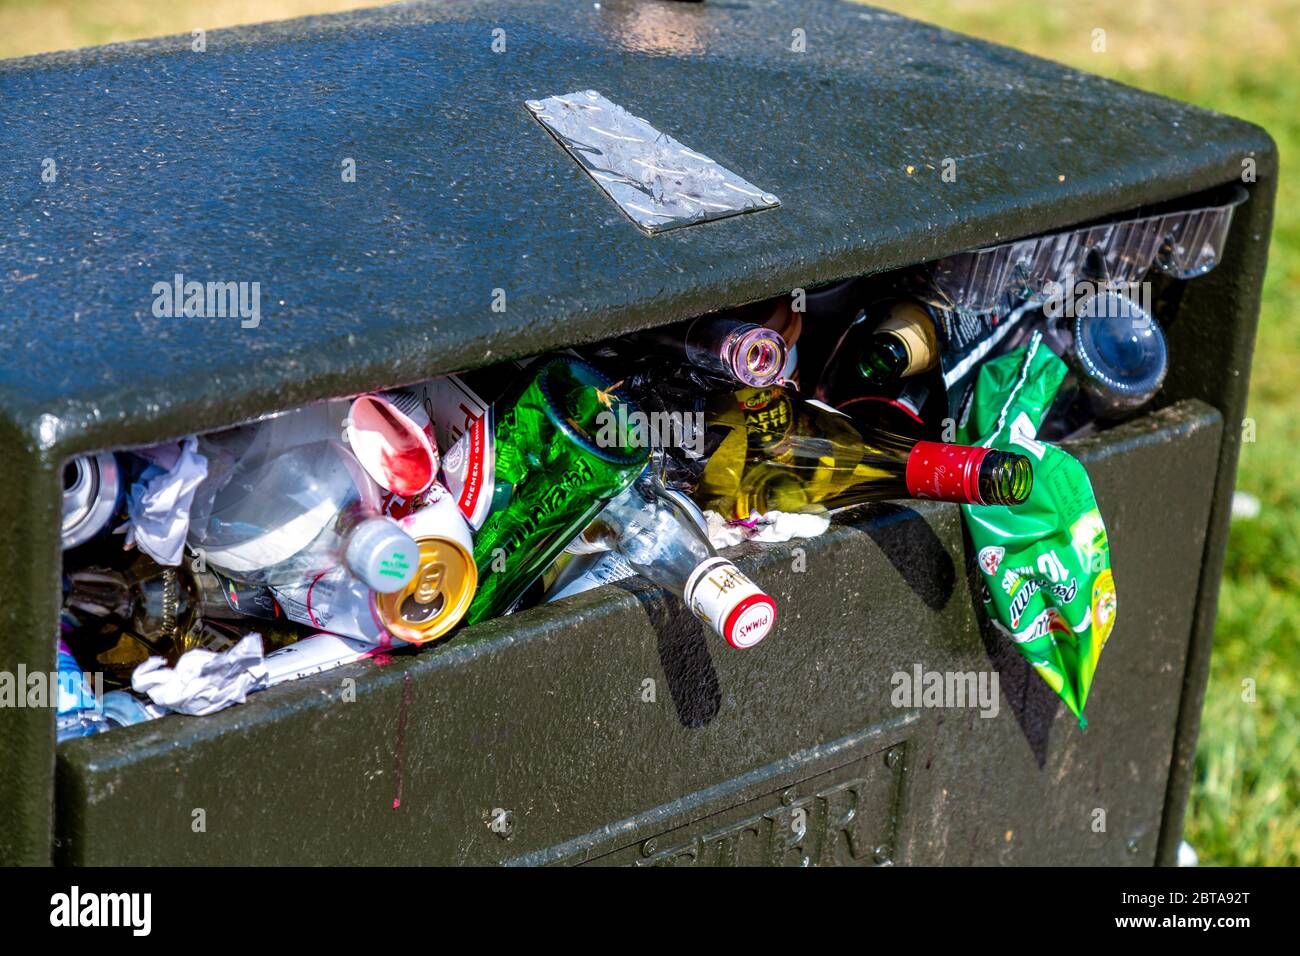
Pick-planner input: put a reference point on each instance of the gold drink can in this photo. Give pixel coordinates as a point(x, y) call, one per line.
point(439, 594)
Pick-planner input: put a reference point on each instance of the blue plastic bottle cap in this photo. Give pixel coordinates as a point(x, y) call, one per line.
point(382, 555)
point(1119, 350)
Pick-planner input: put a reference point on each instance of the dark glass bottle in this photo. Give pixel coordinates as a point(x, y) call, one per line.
point(915, 407)
point(120, 617)
point(888, 342)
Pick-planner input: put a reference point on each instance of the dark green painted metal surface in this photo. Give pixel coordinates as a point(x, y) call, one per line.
point(225, 166)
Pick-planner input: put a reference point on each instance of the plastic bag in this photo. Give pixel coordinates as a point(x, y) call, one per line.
point(1046, 563)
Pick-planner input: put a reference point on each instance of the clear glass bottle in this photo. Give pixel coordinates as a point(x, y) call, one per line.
point(773, 451)
point(661, 535)
point(739, 351)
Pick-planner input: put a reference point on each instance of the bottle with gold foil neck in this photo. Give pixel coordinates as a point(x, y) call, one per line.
point(888, 342)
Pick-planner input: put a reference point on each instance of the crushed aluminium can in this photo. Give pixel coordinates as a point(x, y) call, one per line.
point(394, 443)
point(463, 427)
point(437, 597)
point(92, 493)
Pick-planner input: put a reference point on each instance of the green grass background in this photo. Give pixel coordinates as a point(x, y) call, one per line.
point(1236, 56)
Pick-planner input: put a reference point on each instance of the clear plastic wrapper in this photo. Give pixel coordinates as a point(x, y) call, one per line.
point(301, 511)
point(1181, 243)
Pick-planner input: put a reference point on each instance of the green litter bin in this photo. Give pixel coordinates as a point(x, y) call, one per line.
point(403, 213)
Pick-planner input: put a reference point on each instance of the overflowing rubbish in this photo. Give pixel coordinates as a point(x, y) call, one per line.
point(199, 572)
point(1182, 243)
point(985, 301)
point(124, 709)
point(446, 577)
point(118, 616)
point(312, 655)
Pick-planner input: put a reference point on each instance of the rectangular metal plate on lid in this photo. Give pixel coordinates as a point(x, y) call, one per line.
point(659, 183)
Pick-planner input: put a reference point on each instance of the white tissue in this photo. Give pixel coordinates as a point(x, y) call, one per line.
point(204, 682)
point(770, 528)
point(159, 506)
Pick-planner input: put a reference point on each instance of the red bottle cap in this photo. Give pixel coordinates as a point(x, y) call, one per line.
point(944, 472)
point(749, 621)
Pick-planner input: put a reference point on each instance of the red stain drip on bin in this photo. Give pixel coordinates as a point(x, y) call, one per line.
point(400, 753)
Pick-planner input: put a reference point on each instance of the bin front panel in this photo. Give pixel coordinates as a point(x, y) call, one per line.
point(578, 731)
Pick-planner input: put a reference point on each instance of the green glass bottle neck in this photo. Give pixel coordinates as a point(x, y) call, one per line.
point(1005, 478)
point(884, 360)
point(968, 474)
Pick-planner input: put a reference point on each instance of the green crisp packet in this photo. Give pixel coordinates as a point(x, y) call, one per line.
point(1045, 563)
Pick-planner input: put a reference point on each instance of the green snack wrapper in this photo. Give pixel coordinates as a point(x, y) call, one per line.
point(1045, 563)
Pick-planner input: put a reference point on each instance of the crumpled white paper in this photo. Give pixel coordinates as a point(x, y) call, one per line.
point(159, 504)
point(204, 682)
point(772, 527)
